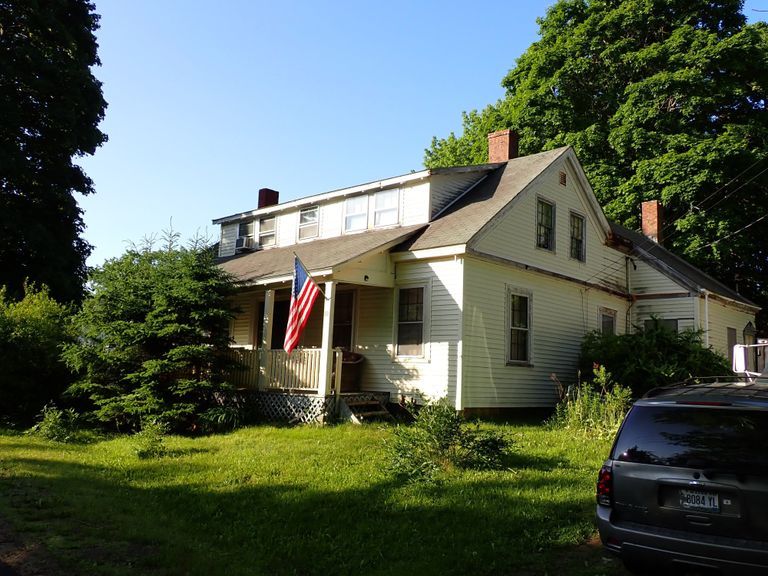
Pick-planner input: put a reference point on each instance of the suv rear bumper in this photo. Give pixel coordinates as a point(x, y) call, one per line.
point(639, 544)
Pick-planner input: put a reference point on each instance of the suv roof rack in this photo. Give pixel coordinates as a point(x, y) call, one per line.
point(713, 386)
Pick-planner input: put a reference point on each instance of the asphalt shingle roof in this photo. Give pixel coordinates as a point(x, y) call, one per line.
point(467, 216)
point(317, 255)
point(664, 260)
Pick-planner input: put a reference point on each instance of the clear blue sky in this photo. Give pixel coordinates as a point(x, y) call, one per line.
point(211, 100)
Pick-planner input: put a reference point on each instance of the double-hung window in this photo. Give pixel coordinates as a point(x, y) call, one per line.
point(545, 225)
point(410, 321)
point(267, 231)
point(356, 213)
point(578, 228)
point(245, 229)
point(519, 327)
point(385, 207)
point(308, 223)
point(608, 321)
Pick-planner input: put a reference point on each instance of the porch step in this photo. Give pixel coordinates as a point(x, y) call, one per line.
point(360, 411)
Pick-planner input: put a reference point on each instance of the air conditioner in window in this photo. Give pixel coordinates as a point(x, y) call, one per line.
point(244, 243)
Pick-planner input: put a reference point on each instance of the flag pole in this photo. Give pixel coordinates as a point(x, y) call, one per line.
point(310, 276)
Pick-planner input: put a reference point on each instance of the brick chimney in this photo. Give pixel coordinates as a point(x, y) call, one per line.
point(502, 146)
point(268, 197)
point(653, 220)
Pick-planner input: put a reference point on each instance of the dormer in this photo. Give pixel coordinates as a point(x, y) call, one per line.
point(415, 198)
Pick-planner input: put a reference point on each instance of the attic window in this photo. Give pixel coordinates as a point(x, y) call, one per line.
point(545, 225)
point(563, 178)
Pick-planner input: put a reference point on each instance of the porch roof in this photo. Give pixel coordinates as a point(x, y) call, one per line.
point(276, 264)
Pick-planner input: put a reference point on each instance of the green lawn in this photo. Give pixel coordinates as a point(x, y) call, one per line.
point(306, 500)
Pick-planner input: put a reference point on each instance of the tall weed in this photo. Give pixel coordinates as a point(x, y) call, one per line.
point(594, 408)
point(438, 440)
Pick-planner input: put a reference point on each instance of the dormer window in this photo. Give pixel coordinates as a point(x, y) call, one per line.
point(356, 213)
point(245, 229)
point(308, 223)
point(267, 231)
point(385, 207)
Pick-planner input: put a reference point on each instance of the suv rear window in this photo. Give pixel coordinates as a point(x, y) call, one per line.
point(730, 439)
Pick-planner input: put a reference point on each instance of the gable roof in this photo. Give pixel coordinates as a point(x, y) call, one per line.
point(488, 199)
point(675, 267)
point(276, 264)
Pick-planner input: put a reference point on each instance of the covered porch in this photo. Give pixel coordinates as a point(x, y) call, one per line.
point(327, 361)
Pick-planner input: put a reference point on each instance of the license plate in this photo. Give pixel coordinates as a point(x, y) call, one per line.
point(697, 500)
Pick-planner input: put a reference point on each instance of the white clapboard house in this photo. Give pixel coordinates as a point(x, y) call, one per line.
point(472, 283)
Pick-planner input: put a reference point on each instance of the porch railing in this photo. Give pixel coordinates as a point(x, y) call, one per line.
point(249, 376)
point(277, 370)
point(299, 370)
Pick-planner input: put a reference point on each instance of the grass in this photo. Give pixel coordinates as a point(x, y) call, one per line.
point(307, 500)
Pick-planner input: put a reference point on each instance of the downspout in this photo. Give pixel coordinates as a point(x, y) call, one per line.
point(706, 317)
point(630, 296)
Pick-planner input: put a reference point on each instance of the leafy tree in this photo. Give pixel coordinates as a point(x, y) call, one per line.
point(661, 100)
point(32, 331)
point(50, 107)
point(153, 338)
point(651, 357)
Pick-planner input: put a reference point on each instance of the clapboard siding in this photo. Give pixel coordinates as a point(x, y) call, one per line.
point(227, 240)
point(445, 188)
point(513, 235)
point(681, 309)
point(414, 202)
point(562, 312)
point(647, 280)
point(433, 376)
point(722, 317)
point(242, 325)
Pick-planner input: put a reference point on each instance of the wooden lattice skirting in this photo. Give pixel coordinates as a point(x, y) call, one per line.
point(294, 408)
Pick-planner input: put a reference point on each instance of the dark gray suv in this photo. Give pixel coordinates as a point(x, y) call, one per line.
point(686, 483)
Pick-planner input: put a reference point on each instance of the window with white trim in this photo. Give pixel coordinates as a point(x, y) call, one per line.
point(519, 327)
point(385, 207)
point(356, 213)
point(545, 225)
point(578, 230)
point(410, 321)
point(308, 223)
point(245, 229)
point(267, 231)
point(608, 321)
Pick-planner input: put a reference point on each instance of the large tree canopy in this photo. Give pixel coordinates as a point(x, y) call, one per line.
point(661, 99)
point(50, 107)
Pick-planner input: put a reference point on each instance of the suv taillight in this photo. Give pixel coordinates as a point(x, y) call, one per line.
point(605, 485)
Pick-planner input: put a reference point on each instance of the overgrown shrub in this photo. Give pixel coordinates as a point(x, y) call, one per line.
point(652, 357)
point(149, 442)
point(438, 440)
point(153, 338)
point(32, 374)
point(594, 408)
point(56, 424)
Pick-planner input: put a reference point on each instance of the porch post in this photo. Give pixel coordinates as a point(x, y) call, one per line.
point(266, 337)
point(326, 350)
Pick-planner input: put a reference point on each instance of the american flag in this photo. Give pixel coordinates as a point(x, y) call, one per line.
point(303, 296)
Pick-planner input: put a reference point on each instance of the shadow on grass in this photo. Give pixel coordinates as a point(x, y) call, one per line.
point(98, 522)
